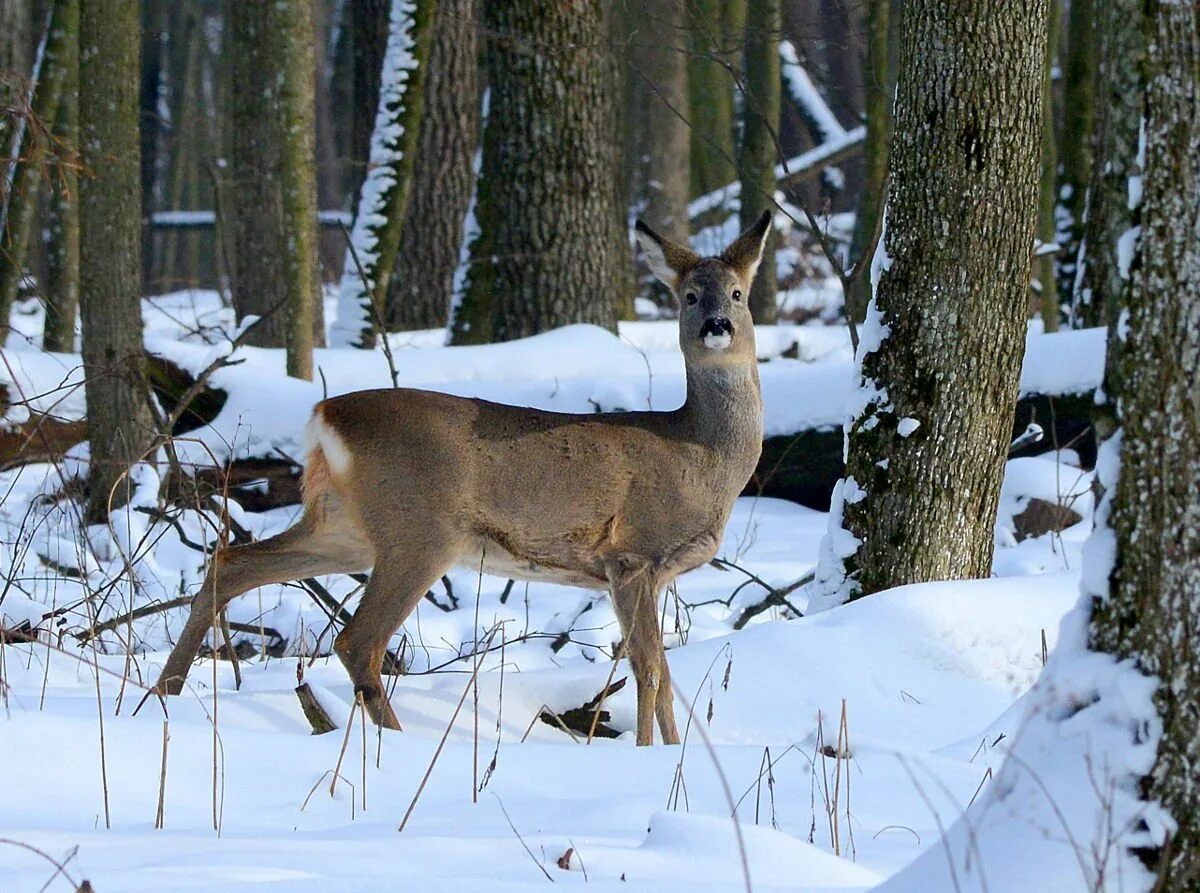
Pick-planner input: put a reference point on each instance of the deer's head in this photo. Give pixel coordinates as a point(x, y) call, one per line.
point(715, 327)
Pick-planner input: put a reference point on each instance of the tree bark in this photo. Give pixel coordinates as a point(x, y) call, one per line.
point(716, 34)
point(942, 344)
point(383, 201)
point(1118, 106)
point(272, 195)
point(759, 150)
point(1148, 608)
point(658, 111)
point(1078, 124)
point(1044, 267)
point(22, 199)
point(14, 73)
point(552, 248)
point(119, 423)
point(62, 245)
point(368, 21)
point(443, 176)
point(879, 88)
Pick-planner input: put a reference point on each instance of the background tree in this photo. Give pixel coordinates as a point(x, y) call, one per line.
point(1078, 123)
point(118, 419)
point(14, 71)
point(552, 249)
point(443, 176)
point(1146, 607)
point(371, 257)
point(22, 198)
point(61, 297)
point(660, 138)
point(271, 197)
point(716, 29)
point(1120, 51)
point(1046, 285)
point(942, 345)
point(759, 151)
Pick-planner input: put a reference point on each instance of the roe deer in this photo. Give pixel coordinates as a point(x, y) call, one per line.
point(413, 482)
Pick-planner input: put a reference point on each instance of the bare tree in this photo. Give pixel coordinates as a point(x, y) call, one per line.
point(119, 423)
point(941, 347)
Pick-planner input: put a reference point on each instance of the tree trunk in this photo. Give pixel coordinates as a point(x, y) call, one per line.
point(22, 200)
point(716, 35)
point(1147, 606)
point(1120, 51)
point(368, 44)
point(62, 246)
point(272, 195)
point(15, 68)
point(658, 112)
point(1078, 125)
point(157, 40)
point(383, 202)
point(119, 423)
point(552, 248)
point(1047, 284)
point(443, 176)
point(759, 150)
point(942, 344)
point(879, 88)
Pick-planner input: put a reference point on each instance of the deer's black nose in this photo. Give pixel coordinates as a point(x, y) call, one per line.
point(716, 325)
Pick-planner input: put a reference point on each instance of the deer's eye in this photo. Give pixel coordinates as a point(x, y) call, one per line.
point(691, 297)
point(737, 294)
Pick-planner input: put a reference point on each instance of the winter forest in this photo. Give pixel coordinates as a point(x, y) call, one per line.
point(672, 445)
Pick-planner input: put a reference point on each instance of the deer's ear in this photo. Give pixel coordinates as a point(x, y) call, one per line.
point(668, 262)
point(744, 252)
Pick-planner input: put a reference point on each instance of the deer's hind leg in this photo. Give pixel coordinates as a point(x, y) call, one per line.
point(403, 574)
point(635, 599)
point(322, 542)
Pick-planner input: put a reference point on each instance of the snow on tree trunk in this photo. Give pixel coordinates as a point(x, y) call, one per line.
point(1144, 578)
point(443, 176)
point(384, 196)
point(941, 348)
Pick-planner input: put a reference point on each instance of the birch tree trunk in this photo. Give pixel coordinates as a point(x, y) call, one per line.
point(552, 248)
point(1146, 602)
point(758, 152)
point(383, 200)
point(22, 197)
point(119, 423)
point(443, 175)
point(941, 346)
point(1120, 53)
point(272, 194)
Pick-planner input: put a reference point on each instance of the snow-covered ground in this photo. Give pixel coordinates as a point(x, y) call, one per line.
point(846, 743)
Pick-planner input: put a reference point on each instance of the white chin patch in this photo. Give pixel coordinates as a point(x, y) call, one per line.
point(717, 342)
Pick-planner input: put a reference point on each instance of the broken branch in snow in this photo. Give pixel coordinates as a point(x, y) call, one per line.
point(316, 715)
point(588, 719)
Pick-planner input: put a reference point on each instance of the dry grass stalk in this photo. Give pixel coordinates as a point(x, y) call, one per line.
point(162, 777)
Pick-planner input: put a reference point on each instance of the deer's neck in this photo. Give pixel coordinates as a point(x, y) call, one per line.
point(724, 407)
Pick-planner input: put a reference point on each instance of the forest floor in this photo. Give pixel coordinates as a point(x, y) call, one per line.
point(847, 742)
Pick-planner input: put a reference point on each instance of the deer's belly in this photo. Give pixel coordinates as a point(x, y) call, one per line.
point(546, 566)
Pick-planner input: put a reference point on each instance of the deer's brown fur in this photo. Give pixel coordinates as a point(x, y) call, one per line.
point(413, 482)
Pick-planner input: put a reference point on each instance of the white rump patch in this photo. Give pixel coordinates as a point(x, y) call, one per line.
point(717, 342)
point(320, 435)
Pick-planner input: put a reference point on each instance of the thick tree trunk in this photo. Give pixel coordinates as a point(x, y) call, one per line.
point(1149, 609)
point(1078, 124)
point(1044, 271)
point(368, 20)
point(119, 423)
point(271, 196)
point(716, 35)
point(879, 88)
point(22, 199)
point(942, 344)
point(552, 248)
point(759, 150)
point(383, 201)
point(443, 176)
point(1118, 115)
point(62, 246)
point(660, 138)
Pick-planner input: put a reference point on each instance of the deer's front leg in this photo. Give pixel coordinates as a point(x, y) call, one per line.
point(635, 599)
